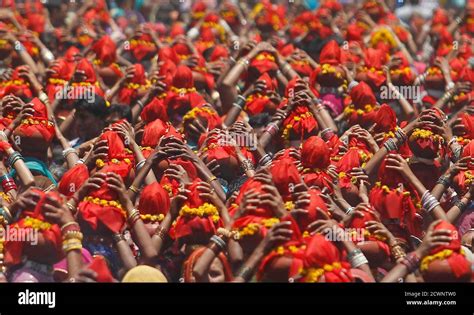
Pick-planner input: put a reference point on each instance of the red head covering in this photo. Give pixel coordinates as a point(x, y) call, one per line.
point(322, 259)
point(362, 110)
point(138, 84)
point(73, 179)
point(285, 176)
point(330, 54)
point(17, 85)
point(34, 219)
point(154, 203)
point(142, 47)
point(299, 124)
point(153, 132)
point(102, 205)
point(154, 110)
point(386, 119)
point(315, 153)
point(182, 95)
point(258, 102)
point(458, 268)
point(37, 126)
point(198, 219)
point(105, 51)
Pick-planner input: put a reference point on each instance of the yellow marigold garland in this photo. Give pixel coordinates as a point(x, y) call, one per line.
point(444, 254)
point(205, 210)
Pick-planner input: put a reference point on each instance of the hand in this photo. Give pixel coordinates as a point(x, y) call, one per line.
point(434, 239)
point(26, 200)
point(178, 201)
point(397, 163)
point(377, 228)
point(100, 150)
point(115, 183)
point(85, 275)
point(249, 203)
point(178, 173)
point(279, 233)
point(460, 165)
point(26, 73)
point(207, 192)
point(329, 228)
point(56, 211)
point(92, 183)
point(271, 198)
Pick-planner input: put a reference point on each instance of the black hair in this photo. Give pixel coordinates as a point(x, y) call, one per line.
point(96, 106)
point(124, 111)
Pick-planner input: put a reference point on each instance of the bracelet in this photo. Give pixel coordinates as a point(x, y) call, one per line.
point(68, 151)
point(212, 178)
point(247, 165)
point(133, 188)
point(80, 161)
point(118, 237)
point(411, 261)
point(218, 241)
point(140, 104)
point(235, 235)
point(265, 160)
point(245, 273)
point(140, 164)
point(73, 234)
point(428, 201)
point(71, 207)
point(9, 184)
point(244, 62)
point(397, 252)
point(326, 134)
point(43, 97)
point(64, 226)
point(400, 135)
point(358, 260)
point(272, 128)
point(5, 213)
point(133, 216)
point(444, 180)
point(161, 232)
point(353, 253)
point(349, 210)
point(458, 20)
point(461, 205)
point(390, 145)
point(352, 85)
point(13, 158)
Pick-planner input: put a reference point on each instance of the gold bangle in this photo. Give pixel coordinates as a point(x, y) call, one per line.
point(73, 235)
point(212, 178)
point(71, 207)
point(68, 224)
point(161, 232)
point(133, 216)
point(133, 189)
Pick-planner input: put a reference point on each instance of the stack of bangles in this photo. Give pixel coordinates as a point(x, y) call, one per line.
point(428, 201)
point(133, 216)
point(8, 183)
point(391, 145)
point(326, 134)
point(6, 214)
point(13, 158)
point(411, 261)
point(240, 102)
point(401, 136)
point(265, 160)
point(444, 180)
point(397, 252)
point(217, 244)
point(461, 205)
point(244, 62)
point(161, 232)
point(455, 147)
point(72, 237)
point(357, 258)
point(272, 128)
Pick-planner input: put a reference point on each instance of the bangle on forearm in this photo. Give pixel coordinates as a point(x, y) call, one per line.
point(265, 160)
point(5, 213)
point(118, 237)
point(133, 216)
point(133, 188)
point(397, 252)
point(444, 180)
point(247, 165)
point(390, 145)
point(140, 104)
point(352, 85)
point(245, 273)
point(244, 62)
point(411, 261)
point(400, 135)
point(239, 102)
point(8, 184)
point(219, 243)
point(428, 201)
point(272, 128)
point(326, 134)
point(140, 164)
point(13, 158)
point(357, 258)
point(349, 210)
point(461, 205)
point(68, 151)
point(161, 232)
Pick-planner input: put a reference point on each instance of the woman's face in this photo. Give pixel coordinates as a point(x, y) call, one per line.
point(216, 271)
